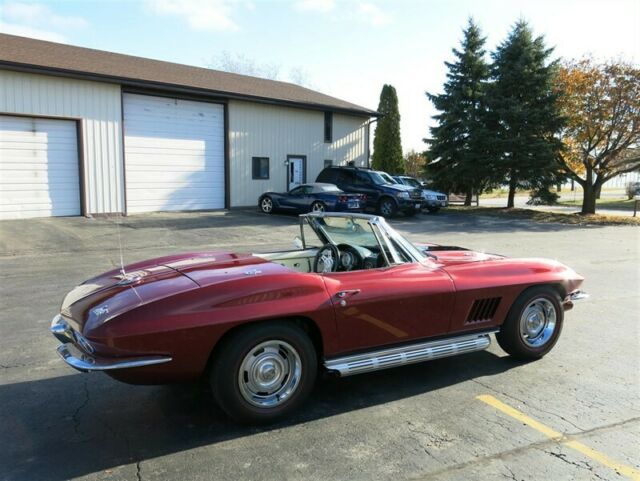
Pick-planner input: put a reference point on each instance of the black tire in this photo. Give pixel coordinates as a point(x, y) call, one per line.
point(265, 204)
point(387, 207)
point(511, 337)
point(318, 206)
point(225, 372)
point(433, 210)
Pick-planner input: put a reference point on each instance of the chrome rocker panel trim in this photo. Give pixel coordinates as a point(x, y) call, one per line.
point(413, 353)
point(81, 361)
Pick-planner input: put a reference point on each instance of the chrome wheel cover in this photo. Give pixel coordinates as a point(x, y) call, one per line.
point(538, 322)
point(269, 374)
point(266, 205)
point(317, 207)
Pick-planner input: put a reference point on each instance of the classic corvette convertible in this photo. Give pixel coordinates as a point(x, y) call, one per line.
point(355, 296)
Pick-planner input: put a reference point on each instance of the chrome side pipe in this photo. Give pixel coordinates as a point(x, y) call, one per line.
point(410, 354)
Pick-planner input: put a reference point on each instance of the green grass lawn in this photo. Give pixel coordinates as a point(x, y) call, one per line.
point(543, 216)
point(604, 203)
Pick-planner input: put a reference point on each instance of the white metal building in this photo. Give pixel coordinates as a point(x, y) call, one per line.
point(87, 132)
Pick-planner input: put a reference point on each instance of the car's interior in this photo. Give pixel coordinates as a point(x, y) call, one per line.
point(344, 244)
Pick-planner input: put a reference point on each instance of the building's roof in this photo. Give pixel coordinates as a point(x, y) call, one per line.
point(29, 54)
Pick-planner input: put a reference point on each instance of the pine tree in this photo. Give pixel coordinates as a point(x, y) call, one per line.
point(457, 143)
point(524, 113)
point(387, 147)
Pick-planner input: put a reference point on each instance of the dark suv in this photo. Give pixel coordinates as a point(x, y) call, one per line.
point(385, 198)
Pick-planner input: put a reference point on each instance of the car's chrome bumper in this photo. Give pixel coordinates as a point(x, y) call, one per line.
point(567, 304)
point(77, 352)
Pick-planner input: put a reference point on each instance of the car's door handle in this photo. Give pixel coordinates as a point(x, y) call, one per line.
point(348, 293)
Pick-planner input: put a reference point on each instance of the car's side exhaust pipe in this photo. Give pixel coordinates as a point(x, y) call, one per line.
point(409, 354)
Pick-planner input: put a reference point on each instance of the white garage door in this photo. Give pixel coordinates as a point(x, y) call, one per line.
point(39, 173)
point(174, 154)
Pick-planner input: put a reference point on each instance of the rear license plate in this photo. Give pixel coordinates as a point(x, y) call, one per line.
point(354, 204)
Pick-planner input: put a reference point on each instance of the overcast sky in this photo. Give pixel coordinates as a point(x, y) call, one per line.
point(347, 49)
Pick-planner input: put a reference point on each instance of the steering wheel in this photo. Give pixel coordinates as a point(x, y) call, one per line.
point(350, 258)
point(327, 259)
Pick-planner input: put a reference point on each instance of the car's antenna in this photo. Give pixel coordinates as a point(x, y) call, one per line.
point(122, 271)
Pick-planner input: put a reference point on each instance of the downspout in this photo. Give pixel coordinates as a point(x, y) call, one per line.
point(368, 135)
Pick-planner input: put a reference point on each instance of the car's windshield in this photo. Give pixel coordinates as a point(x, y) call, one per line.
point(346, 230)
point(411, 182)
point(377, 179)
point(387, 178)
point(360, 231)
point(328, 188)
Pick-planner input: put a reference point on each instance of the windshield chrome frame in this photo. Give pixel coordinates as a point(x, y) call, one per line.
point(375, 221)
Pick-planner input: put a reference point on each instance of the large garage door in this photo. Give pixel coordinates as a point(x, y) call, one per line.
point(39, 173)
point(174, 154)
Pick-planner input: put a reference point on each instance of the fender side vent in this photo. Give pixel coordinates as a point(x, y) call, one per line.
point(483, 309)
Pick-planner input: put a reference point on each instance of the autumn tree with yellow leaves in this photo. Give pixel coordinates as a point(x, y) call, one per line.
point(600, 102)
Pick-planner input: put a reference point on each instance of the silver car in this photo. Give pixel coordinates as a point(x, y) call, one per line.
point(431, 200)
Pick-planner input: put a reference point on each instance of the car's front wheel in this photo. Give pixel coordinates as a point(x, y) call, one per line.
point(533, 324)
point(263, 372)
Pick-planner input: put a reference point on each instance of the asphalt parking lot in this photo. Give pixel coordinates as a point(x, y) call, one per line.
point(477, 416)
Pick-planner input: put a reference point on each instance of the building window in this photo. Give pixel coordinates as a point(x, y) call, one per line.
point(328, 163)
point(260, 167)
point(328, 126)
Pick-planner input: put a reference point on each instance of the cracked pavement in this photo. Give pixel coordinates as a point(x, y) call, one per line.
point(417, 422)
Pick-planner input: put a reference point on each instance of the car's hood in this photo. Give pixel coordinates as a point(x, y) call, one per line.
point(431, 192)
point(453, 255)
point(398, 187)
point(110, 294)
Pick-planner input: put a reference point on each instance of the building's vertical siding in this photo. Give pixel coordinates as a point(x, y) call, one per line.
point(257, 130)
point(98, 105)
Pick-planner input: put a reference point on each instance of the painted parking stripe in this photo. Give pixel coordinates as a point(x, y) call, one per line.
point(603, 459)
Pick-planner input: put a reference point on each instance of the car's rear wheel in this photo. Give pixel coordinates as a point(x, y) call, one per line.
point(263, 372)
point(533, 324)
point(387, 207)
point(318, 206)
point(266, 205)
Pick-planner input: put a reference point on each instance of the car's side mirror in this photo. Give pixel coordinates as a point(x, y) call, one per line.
point(297, 242)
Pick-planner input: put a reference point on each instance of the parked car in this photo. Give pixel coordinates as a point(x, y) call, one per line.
point(316, 197)
point(382, 197)
point(354, 297)
point(633, 189)
point(431, 200)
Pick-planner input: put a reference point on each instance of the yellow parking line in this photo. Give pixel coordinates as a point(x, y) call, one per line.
point(603, 459)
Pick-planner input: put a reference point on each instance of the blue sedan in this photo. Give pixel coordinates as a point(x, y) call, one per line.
point(315, 197)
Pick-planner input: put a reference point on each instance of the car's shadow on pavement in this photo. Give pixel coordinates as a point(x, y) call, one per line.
point(73, 425)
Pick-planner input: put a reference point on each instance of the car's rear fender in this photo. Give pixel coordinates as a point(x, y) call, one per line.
point(189, 325)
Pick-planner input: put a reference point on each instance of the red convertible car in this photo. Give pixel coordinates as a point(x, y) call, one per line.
point(354, 297)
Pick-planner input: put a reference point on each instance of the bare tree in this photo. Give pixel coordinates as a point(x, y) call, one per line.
point(244, 65)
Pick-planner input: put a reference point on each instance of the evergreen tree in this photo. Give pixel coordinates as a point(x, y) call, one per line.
point(457, 143)
point(523, 113)
point(387, 147)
